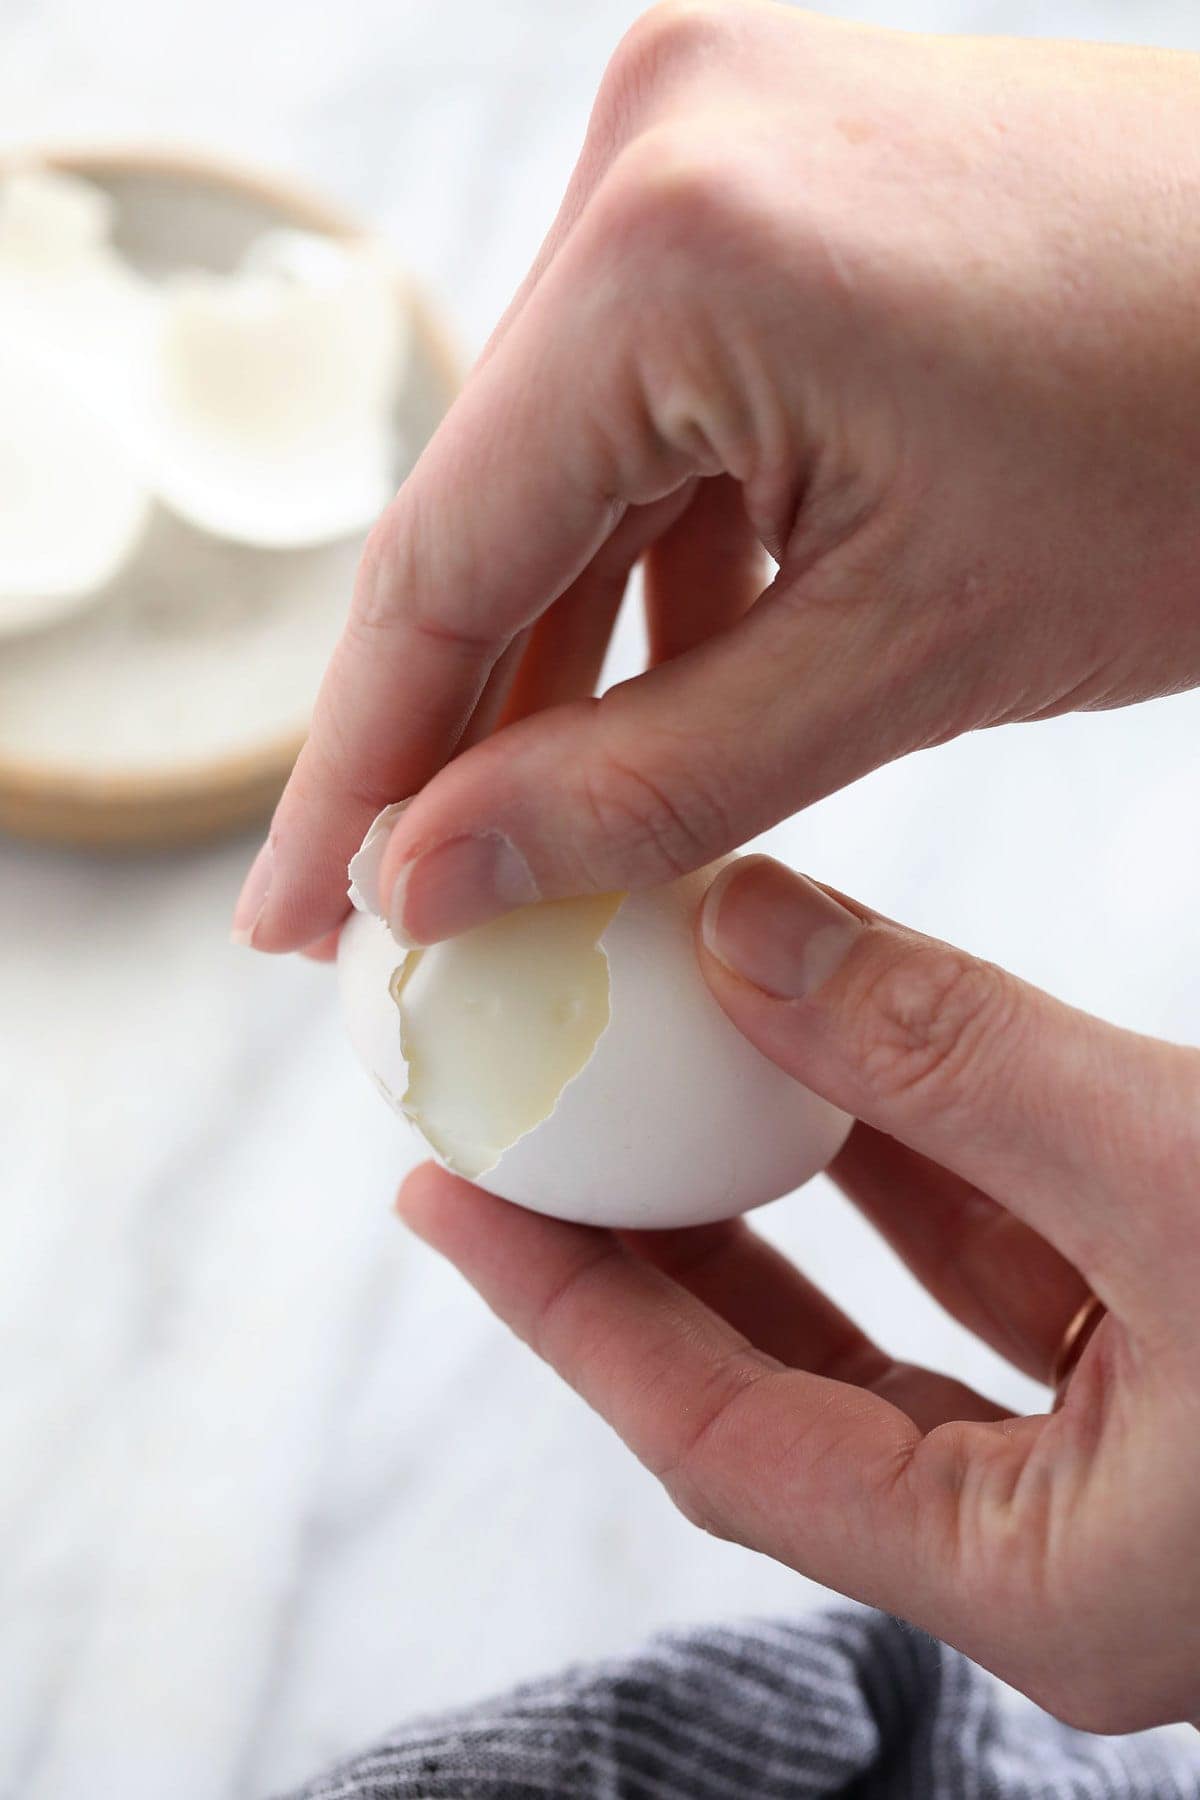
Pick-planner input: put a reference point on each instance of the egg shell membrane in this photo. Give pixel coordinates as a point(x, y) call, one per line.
point(496, 1024)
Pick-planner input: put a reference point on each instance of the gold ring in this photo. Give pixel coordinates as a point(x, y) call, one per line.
point(1075, 1340)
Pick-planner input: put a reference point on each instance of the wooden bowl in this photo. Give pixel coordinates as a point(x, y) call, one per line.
point(176, 210)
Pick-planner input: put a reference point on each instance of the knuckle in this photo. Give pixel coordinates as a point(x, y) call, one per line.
point(662, 825)
point(393, 591)
point(688, 1474)
point(675, 197)
point(662, 39)
point(380, 575)
point(926, 1022)
point(553, 1330)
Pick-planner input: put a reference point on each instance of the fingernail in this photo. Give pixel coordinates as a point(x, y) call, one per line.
point(253, 897)
point(461, 883)
point(774, 929)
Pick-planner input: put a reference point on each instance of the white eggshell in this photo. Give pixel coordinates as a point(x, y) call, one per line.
point(73, 502)
point(271, 393)
point(367, 861)
point(66, 295)
point(675, 1120)
point(73, 506)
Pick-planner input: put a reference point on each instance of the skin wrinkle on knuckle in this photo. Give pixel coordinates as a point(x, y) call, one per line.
point(988, 1507)
point(675, 213)
point(386, 572)
point(406, 568)
point(541, 1327)
point(327, 766)
point(925, 1489)
point(829, 1436)
point(735, 1378)
point(662, 834)
point(388, 601)
point(928, 1022)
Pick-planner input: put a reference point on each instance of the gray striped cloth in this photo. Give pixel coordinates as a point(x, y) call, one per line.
point(847, 1702)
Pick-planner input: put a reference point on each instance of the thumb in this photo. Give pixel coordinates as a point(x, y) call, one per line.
point(1077, 1127)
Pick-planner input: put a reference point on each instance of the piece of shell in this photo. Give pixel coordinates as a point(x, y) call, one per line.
point(637, 1106)
point(271, 393)
point(65, 294)
point(73, 506)
point(363, 891)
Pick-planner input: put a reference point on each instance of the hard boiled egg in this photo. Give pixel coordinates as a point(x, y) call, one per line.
point(570, 1057)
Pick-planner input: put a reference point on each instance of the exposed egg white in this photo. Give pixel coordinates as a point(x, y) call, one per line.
point(572, 1059)
point(73, 506)
point(271, 393)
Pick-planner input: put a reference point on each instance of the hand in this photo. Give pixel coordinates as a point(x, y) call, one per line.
point(920, 316)
point(1015, 1153)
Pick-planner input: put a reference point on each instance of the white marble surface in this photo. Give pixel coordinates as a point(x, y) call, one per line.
point(269, 1476)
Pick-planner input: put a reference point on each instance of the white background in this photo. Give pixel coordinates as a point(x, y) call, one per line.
point(270, 1478)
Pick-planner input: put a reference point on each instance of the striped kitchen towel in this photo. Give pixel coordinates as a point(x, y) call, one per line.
point(847, 1702)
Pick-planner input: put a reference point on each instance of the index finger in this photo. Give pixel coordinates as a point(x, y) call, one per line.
point(528, 475)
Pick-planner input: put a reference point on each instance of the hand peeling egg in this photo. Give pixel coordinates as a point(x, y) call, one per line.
point(571, 1058)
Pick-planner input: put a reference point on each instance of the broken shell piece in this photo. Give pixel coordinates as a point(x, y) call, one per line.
point(571, 1058)
point(363, 892)
point(65, 294)
point(73, 506)
point(272, 393)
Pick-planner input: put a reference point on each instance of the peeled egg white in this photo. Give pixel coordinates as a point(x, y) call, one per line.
point(571, 1058)
point(270, 404)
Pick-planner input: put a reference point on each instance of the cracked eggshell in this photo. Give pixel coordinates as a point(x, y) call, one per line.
point(363, 891)
point(65, 293)
point(73, 502)
point(271, 393)
point(675, 1119)
point(74, 506)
